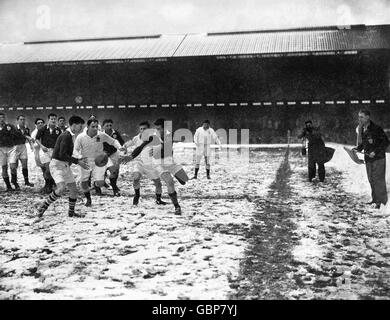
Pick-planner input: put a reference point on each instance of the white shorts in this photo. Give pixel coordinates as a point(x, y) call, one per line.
point(19, 153)
point(61, 172)
point(5, 154)
point(146, 170)
point(115, 158)
point(45, 157)
point(166, 165)
point(97, 172)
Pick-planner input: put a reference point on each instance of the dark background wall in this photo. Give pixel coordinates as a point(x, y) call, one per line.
point(206, 80)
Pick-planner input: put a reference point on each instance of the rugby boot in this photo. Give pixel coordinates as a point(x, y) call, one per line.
point(26, 180)
point(8, 184)
point(14, 181)
point(177, 210)
point(98, 190)
point(115, 188)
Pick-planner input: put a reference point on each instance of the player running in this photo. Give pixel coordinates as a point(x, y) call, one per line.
point(165, 166)
point(113, 153)
point(89, 144)
point(60, 167)
point(144, 166)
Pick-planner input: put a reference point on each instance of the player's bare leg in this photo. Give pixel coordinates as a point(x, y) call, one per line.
point(49, 182)
point(168, 179)
point(14, 176)
point(87, 193)
point(6, 178)
point(114, 174)
point(158, 185)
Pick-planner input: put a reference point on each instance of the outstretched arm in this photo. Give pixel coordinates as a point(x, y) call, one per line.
point(136, 151)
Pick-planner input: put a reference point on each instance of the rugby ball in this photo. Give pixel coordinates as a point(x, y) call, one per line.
point(101, 160)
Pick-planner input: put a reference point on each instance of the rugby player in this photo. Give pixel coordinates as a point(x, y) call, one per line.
point(46, 139)
point(89, 144)
point(9, 138)
point(39, 123)
point(113, 153)
point(164, 164)
point(20, 153)
point(144, 166)
point(60, 167)
point(62, 124)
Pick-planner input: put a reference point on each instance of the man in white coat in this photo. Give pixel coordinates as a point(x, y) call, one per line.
point(203, 138)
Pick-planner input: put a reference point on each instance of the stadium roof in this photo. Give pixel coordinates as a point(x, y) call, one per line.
point(266, 42)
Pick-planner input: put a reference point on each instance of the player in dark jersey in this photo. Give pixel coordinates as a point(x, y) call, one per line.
point(9, 138)
point(46, 139)
point(165, 165)
point(60, 167)
point(62, 124)
point(113, 153)
point(20, 153)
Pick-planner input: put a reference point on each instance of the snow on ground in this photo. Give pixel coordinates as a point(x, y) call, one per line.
point(343, 246)
point(126, 252)
point(257, 230)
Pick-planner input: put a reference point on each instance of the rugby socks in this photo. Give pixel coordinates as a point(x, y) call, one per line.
point(52, 197)
point(196, 173)
point(98, 190)
point(158, 199)
point(72, 204)
point(88, 197)
point(7, 183)
point(173, 197)
point(25, 175)
point(14, 180)
point(113, 183)
point(136, 197)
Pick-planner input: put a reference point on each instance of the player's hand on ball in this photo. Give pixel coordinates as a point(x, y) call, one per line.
point(83, 163)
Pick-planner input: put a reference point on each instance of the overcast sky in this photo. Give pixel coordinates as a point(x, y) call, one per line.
point(28, 20)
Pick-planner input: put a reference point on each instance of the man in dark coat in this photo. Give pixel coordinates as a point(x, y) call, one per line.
point(374, 142)
point(316, 150)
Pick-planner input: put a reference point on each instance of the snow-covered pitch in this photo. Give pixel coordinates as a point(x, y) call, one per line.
point(257, 230)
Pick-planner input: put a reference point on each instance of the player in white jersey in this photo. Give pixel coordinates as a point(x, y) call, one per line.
point(165, 165)
point(203, 138)
point(143, 165)
point(89, 144)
